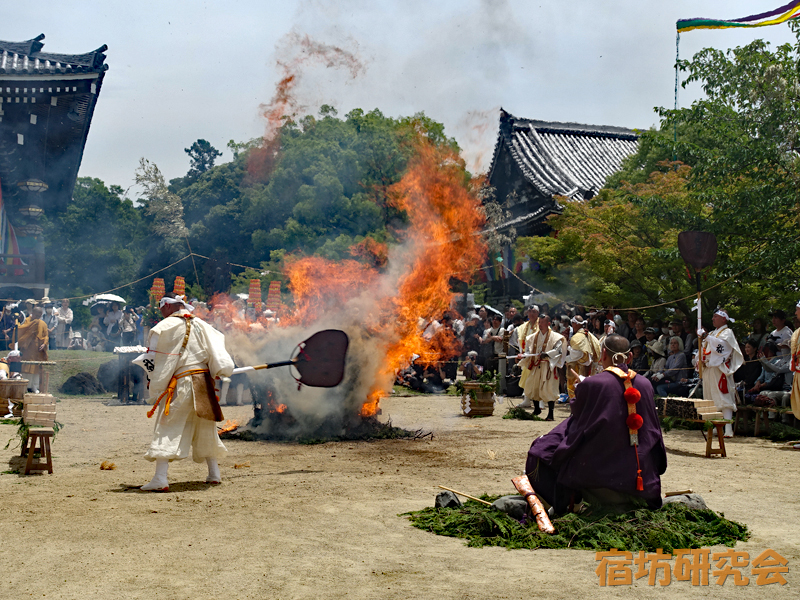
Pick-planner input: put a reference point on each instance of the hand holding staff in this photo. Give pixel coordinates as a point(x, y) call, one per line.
point(524, 487)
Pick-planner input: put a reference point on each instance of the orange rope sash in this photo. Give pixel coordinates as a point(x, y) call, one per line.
point(634, 420)
point(170, 391)
point(173, 382)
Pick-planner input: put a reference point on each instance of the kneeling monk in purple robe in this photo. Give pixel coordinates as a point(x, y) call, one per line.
point(598, 454)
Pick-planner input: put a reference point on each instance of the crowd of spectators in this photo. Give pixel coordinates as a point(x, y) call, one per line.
point(664, 348)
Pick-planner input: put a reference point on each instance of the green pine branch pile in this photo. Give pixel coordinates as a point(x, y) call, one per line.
point(673, 526)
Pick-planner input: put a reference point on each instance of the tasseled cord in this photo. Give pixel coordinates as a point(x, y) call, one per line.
point(639, 482)
point(634, 422)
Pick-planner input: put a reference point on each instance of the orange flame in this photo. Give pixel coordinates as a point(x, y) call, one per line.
point(446, 219)
point(370, 407)
point(230, 425)
point(299, 51)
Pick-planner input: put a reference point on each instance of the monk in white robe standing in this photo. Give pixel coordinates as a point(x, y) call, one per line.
point(524, 331)
point(584, 349)
point(721, 358)
point(795, 368)
point(545, 352)
point(184, 356)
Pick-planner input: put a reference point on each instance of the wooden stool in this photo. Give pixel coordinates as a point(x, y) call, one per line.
point(710, 451)
point(45, 463)
point(39, 412)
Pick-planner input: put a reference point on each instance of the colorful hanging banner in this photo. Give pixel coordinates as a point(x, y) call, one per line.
point(274, 296)
point(158, 289)
point(772, 17)
point(254, 293)
point(180, 286)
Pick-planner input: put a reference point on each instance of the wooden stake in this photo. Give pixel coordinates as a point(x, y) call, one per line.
point(681, 493)
point(466, 496)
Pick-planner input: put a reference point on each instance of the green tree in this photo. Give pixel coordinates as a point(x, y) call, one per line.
point(202, 156)
point(743, 185)
point(96, 243)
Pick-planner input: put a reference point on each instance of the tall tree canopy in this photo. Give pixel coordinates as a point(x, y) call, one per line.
point(738, 176)
point(202, 156)
point(95, 244)
point(327, 193)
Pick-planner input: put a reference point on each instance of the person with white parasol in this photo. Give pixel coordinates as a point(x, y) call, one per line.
point(721, 357)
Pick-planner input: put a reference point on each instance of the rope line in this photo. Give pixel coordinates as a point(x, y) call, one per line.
point(693, 295)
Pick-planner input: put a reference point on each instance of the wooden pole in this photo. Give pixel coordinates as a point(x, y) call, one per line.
point(466, 496)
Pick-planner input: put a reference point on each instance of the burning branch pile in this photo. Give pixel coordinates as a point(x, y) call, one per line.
point(384, 310)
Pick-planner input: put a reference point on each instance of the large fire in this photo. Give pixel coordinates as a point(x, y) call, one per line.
point(384, 305)
point(384, 298)
point(442, 239)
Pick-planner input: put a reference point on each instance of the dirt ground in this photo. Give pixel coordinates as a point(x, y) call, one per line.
point(322, 521)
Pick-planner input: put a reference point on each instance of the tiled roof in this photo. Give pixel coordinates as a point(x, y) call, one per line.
point(26, 58)
point(565, 159)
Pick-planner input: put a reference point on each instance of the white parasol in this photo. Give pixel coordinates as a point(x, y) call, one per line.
point(108, 298)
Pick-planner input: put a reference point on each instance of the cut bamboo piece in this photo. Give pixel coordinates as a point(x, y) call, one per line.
point(466, 495)
point(524, 487)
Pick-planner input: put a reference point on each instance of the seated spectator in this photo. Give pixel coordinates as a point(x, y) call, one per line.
point(759, 335)
point(658, 361)
point(674, 368)
point(676, 330)
point(471, 369)
point(639, 363)
point(76, 342)
point(774, 366)
point(95, 340)
point(639, 332)
point(782, 333)
point(627, 329)
point(748, 373)
point(651, 337)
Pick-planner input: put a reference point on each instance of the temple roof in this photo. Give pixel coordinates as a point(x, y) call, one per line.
point(564, 159)
point(26, 58)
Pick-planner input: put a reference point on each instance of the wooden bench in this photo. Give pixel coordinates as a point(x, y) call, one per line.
point(39, 413)
point(761, 417)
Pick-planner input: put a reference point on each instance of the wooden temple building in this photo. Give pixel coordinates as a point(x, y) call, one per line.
point(537, 165)
point(46, 106)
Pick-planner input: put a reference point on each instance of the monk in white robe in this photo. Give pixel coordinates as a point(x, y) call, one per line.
point(795, 368)
point(584, 349)
point(181, 367)
point(524, 331)
point(545, 352)
point(721, 357)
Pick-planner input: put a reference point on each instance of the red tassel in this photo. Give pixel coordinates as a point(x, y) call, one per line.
point(639, 483)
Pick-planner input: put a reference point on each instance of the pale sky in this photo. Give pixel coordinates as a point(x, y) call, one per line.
point(182, 70)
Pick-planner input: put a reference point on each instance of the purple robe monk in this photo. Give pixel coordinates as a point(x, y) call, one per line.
point(589, 456)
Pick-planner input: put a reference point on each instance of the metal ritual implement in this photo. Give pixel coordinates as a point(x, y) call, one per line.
point(698, 248)
point(319, 360)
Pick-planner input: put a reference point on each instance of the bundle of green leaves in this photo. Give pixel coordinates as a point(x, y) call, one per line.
point(673, 526)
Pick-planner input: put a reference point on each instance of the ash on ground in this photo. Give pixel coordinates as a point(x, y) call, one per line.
point(273, 421)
